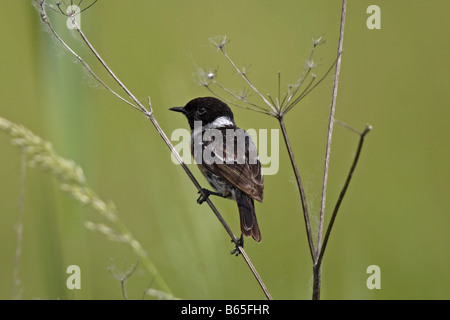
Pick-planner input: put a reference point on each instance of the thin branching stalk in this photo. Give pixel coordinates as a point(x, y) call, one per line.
point(300, 188)
point(244, 76)
point(47, 21)
point(307, 90)
point(278, 108)
point(362, 135)
point(317, 265)
point(149, 114)
point(122, 276)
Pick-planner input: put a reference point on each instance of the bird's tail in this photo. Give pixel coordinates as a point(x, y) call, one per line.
point(249, 224)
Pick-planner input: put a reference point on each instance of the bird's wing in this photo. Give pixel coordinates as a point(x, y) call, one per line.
point(238, 164)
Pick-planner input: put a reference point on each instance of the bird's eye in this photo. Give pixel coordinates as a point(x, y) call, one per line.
point(201, 111)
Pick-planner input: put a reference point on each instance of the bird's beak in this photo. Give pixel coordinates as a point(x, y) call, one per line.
point(179, 109)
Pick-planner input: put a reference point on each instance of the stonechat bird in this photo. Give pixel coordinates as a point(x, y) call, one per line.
point(227, 157)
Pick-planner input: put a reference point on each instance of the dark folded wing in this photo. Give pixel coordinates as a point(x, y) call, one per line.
point(240, 165)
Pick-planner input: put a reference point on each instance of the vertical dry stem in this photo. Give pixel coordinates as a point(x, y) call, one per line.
point(317, 264)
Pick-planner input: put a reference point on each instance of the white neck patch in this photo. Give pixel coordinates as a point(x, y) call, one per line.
point(220, 122)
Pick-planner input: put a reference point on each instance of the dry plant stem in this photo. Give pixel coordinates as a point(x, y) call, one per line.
point(317, 265)
point(113, 75)
point(330, 128)
point(242, 74)
point(150, 116)
point(279, 114)
point(279, 109)
point(124, 279)
point(46, 20)
point(300, 188)
point(343, 191)
point(208, 201)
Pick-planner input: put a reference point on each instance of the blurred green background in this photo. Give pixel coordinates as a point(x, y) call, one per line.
point(395, 214)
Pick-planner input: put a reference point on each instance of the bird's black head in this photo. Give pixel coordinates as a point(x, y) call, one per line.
point(206, 109)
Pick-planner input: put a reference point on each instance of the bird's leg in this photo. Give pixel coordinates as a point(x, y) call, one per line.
point(240, 243)
point(205, 193)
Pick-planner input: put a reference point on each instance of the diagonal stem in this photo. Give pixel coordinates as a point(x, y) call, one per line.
point(300, 187)
point(317, 266)
point(343, 191)
point(149, 114)
point(208, 201)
